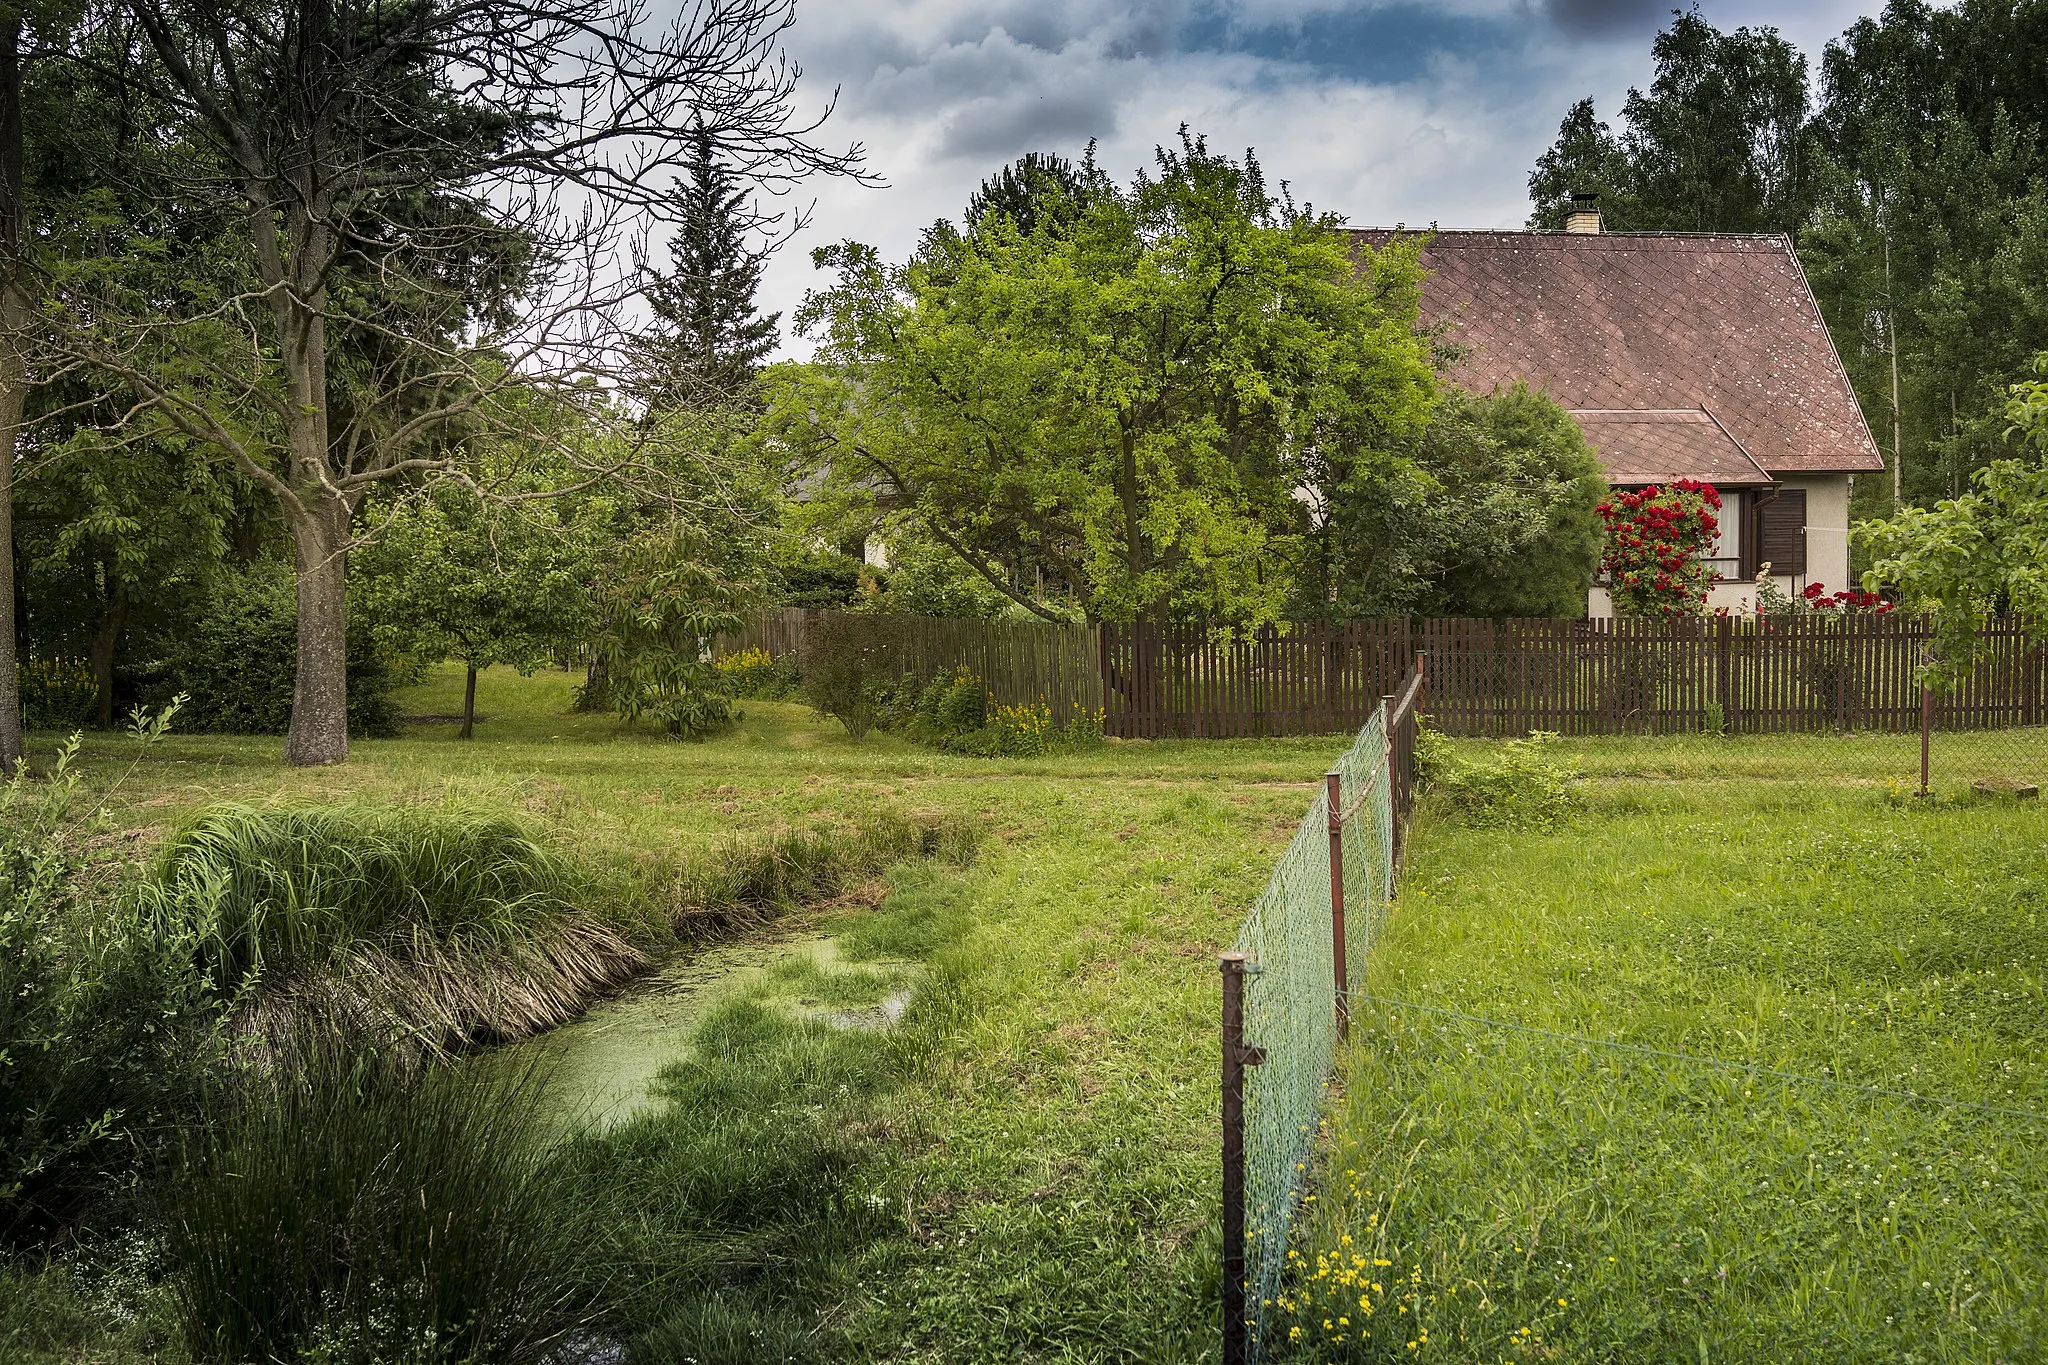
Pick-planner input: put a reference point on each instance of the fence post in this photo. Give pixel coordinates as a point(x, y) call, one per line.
point(1333, 788)
point(1236, 1057)
point(1926, 729)
point(1387, 737)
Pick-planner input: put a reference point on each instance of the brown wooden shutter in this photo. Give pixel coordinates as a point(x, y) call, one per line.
point(1781, 530)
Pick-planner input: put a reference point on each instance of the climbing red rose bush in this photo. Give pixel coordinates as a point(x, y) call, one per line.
point(1658, 541)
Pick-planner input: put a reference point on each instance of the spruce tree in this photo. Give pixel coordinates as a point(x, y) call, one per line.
point(708, 341)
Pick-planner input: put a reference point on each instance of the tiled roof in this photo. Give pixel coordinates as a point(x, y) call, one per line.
point(1651, 323)
point(1656, 447)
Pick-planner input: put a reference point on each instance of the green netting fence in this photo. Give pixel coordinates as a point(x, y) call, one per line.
point(1285, 991)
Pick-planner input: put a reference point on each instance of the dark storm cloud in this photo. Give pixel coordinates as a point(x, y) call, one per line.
point(1607, 17)
point(1381, 43)
point(995, 130)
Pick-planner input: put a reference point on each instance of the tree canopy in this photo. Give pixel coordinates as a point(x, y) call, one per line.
point(1124, 405)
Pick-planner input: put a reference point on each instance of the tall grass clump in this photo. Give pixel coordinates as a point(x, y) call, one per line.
point(357, 1205)
point(452, 927)
point(747, 880)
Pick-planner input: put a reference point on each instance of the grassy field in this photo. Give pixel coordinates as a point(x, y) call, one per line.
point(1502, 1184)
point(1024, 1169)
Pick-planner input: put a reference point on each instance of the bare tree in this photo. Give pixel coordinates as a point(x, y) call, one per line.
point(429, 198)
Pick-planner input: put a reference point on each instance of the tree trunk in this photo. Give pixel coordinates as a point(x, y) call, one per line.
point(14, 318)
point(319, 728)
point(12, 384)
point(103, 648)
point(469, 705)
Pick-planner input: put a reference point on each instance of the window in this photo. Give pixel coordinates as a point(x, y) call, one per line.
point(1780, 522)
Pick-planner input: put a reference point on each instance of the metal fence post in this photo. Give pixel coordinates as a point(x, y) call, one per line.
point(1926, 729)
point(1387, 733)
point(1236, 1057)
point(1333, 788)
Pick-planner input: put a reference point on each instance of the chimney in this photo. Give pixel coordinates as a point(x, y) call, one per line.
point(1585, 214)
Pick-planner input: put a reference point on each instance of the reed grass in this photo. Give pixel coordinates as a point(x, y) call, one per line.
point(360, 1206)
point(448, 926)
point(747, 880)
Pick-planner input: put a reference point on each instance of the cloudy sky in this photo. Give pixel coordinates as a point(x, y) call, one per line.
point(1386, 111)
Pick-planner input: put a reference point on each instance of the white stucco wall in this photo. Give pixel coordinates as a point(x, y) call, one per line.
point(1827, 550)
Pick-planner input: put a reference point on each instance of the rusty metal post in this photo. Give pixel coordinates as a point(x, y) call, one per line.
point(1333, 789)
point(1926, 730)
point(1236, 1057)
point(1387, 734)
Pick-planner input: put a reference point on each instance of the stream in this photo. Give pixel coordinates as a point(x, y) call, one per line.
point(600, 1068)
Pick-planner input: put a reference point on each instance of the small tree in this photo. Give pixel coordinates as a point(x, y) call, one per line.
point(1986, 551)
point(662, 602)
point(454, 576)
point(1657, 543)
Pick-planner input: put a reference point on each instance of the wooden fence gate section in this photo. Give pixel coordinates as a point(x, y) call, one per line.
point(1486, 678)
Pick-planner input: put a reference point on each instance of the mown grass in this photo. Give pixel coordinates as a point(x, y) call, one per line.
point(1025, 1168)
point(1518, 1193)
point(1039, 1128)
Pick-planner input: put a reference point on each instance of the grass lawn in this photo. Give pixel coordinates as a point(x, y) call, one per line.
point(1516, 1193)
point(1026, 1168)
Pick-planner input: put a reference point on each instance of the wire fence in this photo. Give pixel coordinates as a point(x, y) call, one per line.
point(1286, 984)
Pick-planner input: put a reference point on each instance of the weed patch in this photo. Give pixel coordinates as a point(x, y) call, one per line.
point(359, 1206)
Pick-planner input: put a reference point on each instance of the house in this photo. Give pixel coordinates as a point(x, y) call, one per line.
point(1683, 355)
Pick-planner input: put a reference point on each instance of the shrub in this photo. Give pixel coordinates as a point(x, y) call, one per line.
point(448, 926)
point(1518, 785)
point(107, 1034)
point(848, 663)
point(755, 673)
point(241, 661)
point(1657, 542)
point(56, 694)
point(352, 1206)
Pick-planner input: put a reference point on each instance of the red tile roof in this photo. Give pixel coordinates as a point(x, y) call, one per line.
point(1656, 447)
point(1618, 322)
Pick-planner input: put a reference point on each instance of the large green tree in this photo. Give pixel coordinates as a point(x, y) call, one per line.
point(402, 266)
point(1985, 550)
point(1120, 405)
point(1493, 515)
point(1716, 144)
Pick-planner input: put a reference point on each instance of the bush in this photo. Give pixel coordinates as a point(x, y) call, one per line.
point(1520, 785)
point(756, 674)
point(240, 663)
point(107, 1033)
point(848, 665)
point(352, 1206)
point(56, 694)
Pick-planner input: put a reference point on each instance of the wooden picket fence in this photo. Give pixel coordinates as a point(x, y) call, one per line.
point(1020, 661)
point(1485, 678)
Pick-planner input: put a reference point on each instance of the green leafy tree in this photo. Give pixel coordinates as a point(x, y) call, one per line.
point(1515, 511)
point(1985, 551)
point(117, 538)
point(455, 575)
point(1716, 144)
point(1120, 408)
point(662, 599)
point(1037, 187)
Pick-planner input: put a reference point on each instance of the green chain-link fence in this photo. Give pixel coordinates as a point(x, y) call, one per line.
point(1282, 1003)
